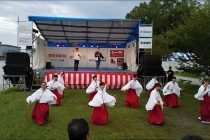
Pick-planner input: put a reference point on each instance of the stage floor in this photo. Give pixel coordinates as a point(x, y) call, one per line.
point(103, 70)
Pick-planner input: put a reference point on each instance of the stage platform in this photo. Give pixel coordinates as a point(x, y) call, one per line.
point(84, 70)
point(81, 79)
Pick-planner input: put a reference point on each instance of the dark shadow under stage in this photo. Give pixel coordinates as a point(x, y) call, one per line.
point(85, 70)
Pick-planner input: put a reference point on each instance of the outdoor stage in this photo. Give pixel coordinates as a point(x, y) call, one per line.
point(82, 78)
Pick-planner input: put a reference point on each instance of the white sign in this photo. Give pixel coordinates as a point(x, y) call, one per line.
point(145, 43)
point(145, 31)
point(83, 59)
point(57, 56)
point(25, 28)
point(25, 40)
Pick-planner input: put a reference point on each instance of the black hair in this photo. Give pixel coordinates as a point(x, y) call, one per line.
point(170, 67)
point(102, 84)
point(157, 85)
point(135, 75)
point(94, 76)
point(56, 76)
point(192, 137)
point(155, 75)
point(173, 77)
point(78, 129)
point(63, 72)
point(44, 83)
point(77, 48)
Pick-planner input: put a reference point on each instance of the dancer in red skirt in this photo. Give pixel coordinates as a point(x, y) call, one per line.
point(151, 85)
point(93, 88)
point(57, 88)
point(43, 96)
point(99, 102)
point(134, 89)
point(171, 92)
point(204, 96)
point(60, 79)
point(155, 106)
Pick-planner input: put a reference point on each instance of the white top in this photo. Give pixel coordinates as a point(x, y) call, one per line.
point(151, 84)
point(102, 97)
point(60, 79)
point(134, 84)
point(43, 96)
point(92, 87)
point(174, 88)
point(76, 55)
point(153, 100)
point(202, 92)
point(52, 85)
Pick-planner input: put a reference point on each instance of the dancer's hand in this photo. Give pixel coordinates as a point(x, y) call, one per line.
point(54, 98)
point(168, 87)
point(102, 106)
point(29, 102)
point(115, 96)
point(125, 90)
point(182, 88)
point(107, 84)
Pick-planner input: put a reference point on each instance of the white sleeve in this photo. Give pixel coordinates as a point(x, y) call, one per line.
point(150, 85)
point(201, 93)
point(50, 99)
point(152, 101)
point(33, 97)
point(138, 89)
point(91, 88)
point(127, 86)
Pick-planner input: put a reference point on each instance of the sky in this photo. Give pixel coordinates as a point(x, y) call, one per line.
point(11, 10)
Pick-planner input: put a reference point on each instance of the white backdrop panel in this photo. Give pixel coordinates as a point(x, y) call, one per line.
point(84, 59)
point(57, 56)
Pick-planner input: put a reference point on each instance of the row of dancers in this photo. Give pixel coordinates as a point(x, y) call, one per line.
point(52, 92)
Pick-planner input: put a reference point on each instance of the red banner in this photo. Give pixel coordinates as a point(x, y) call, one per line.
point(116, 53)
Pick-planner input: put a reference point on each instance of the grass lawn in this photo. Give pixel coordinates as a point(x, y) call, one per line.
point(124, 123)
point(186, 74)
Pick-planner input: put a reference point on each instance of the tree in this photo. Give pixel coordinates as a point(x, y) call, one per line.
point(193, 36)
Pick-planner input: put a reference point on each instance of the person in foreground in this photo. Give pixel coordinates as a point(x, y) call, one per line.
point(134, 89)
point(99, 102)
point(57, 88)
point(151, 85)
point(44, 97)
point(93, 88)
point(60, 79)
point(192, 137)
point(78, 129)
point(155, 106)
point(204, 96)
point(171, 92)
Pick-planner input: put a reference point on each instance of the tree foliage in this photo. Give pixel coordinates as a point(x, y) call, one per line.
point(193, 36)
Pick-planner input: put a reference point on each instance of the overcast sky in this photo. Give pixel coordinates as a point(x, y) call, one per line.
point(10, 10)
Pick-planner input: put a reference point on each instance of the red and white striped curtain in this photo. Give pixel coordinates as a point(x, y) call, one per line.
point(82, 80)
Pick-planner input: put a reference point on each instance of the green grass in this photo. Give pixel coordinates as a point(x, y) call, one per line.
point(186, 74)
point(124, 123)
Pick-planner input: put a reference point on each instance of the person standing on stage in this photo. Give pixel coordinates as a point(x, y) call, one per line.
point(170, 73)
point(98, 56)
point(77, 56)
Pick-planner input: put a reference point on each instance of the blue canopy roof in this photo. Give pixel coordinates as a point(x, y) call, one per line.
point(88, 32)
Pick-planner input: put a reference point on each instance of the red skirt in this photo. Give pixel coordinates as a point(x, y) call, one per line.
point(132, 99)
point(58, 95)
point(100, 116)
point(40, 113)
point(149, 92)
point(91, 96)
point(156, 115)
point(205, 108)
point(171, 100)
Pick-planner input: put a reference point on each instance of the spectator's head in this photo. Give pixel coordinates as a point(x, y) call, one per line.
point(135, 77)
point(78, 129)
point(192, 137)
point(155, 76)
point(157, 86)
point(94, 77)
point(44, 85)
point(55, 77)
point(170, 68)
point(102, 85)
point(174, 79)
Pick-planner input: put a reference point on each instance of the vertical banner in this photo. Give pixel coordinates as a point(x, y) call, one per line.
point(91, 58)
point(145, 43)
point(116, 58)
point(57, 56)
point(145, 31)
point(83, 60)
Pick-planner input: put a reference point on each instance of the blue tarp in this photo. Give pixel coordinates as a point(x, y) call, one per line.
point(177, 55)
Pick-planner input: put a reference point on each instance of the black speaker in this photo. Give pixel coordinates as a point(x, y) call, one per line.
point(16, 58)
point(28, 47)
point(152, 61)
point(16, 70)
point(124, 66)
point(48, 65)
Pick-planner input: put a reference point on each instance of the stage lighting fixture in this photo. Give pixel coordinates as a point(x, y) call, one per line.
point(116, 46)
point(83, 45)
point(97, 46)
point(91, 45)
point(62, 45)
point(57, 45)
